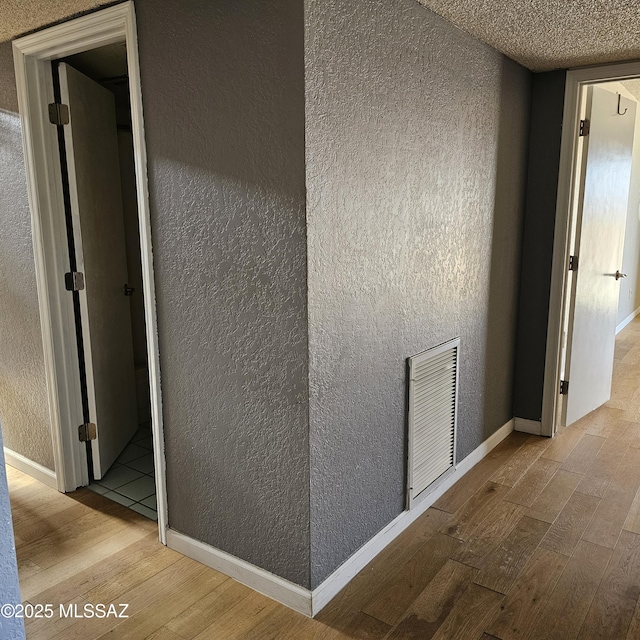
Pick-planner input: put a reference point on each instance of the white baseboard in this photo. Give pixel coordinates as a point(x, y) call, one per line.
point(325, 592)
point(481, 452)
point(528, 426)
point(31, 468)
point(311, 602)
point(630, 318)
point(289, 594)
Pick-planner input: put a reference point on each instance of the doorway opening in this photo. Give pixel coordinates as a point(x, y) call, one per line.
point(80, 102)
point(595, 270)
point(96, 155)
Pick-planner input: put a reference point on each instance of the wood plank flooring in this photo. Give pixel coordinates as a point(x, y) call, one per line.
point(539, 541)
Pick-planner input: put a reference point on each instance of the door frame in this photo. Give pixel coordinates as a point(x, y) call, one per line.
point(571, 163)
point(34, 82)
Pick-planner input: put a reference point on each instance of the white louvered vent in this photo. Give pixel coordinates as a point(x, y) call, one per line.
point(433, 401)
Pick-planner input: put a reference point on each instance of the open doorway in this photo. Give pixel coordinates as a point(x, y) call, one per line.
point(79, 97)
point(96, 154)
point(598, 186)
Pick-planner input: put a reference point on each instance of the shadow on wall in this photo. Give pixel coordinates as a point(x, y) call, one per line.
point(223, 87)
point(235, 108)
point(506, 247)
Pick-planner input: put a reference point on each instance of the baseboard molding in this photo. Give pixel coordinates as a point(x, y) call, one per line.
point(325, 592)
point(307, 602)
point(481, 452)
point(630, 318)
point(281, 590)
point(528, 426)
point(31, 468)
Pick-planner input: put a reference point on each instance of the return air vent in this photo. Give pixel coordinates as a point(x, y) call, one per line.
point(433, 401)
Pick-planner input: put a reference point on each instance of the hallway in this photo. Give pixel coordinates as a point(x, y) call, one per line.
point(540, 540)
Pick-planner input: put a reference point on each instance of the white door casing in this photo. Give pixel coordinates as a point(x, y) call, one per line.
point(34, 83)
point(577, 81)
point(599, 242)
point(91, 147)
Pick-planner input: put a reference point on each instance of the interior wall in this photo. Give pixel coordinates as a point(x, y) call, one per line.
point(537, 252)
point(416, 155)
point(24, 409)
point(417, 138)
point(223, 91)
point(629, 301)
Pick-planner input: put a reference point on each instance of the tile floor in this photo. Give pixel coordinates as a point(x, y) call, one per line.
point(131, 479)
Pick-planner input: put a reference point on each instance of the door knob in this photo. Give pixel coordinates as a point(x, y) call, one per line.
point(128, 291)
point(620, 275)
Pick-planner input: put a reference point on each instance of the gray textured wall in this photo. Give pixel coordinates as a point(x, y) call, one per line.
point(24, 411)
point(540, 215)
point(223, 92)
point(417, 138)
point(10, 628)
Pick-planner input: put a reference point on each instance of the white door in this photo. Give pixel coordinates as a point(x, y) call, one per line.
point(98, 228)
point(599, 243)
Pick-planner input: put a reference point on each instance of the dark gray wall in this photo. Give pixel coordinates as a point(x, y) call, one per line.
point(24, 410)
point(10, 628)
point(537, 251)
point(223, 93)
point(417, 144)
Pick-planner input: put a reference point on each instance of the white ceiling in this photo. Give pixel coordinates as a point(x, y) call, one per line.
point(550, 34)
point(539, 34)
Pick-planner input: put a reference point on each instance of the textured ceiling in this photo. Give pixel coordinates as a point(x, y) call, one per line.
point(18, 17)
point(550, 34)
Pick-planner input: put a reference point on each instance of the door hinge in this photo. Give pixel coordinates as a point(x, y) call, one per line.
point(87, 431)
point(564, 387)
point(573, 263)
point(585, 127)
point(58, 113)
point(74, 281)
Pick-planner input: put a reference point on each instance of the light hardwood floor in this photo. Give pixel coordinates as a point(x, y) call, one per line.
point(541, 540)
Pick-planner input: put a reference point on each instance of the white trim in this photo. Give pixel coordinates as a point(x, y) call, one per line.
point(576, 79)
point(628, 320)
point(307, 602)
point(31, 468)
point(482, 451)
point(533, 427)
point(287, 593)
point(35, 89)
point(148, 278)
